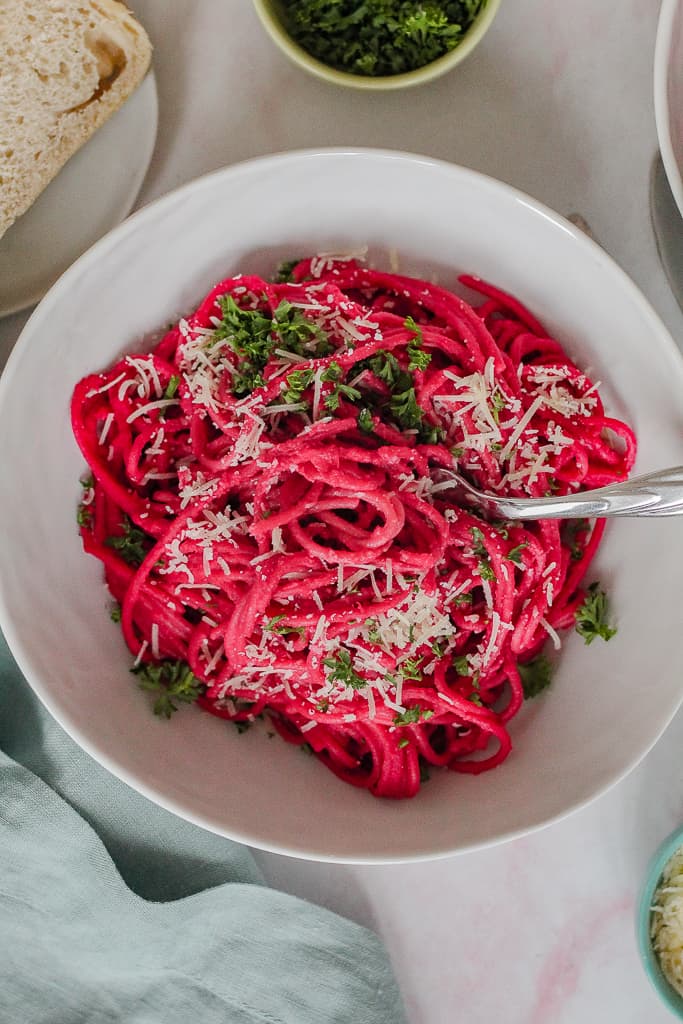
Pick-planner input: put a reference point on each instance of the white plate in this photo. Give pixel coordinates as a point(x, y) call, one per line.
point(668, 86)
point(608, 703)
point(92, 193)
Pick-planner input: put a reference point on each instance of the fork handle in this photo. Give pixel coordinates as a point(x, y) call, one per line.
point(654, 494)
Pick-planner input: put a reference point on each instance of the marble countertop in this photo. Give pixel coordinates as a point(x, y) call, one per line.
point(557, 101)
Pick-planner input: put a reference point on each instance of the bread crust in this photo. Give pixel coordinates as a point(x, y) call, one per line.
point(65, 67)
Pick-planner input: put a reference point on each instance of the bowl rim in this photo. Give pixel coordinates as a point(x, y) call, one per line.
point(303, 59)
point(662, 61)
point(149, 213)
point(648, 957)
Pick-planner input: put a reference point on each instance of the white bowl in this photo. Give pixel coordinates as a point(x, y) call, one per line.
point(609, 702)
point(668, 84)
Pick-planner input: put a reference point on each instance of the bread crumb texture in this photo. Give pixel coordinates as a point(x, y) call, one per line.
point(65, 67)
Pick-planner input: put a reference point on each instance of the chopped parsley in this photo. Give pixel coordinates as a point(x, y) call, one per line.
point(418, 359)
point(497, 405)
point(280, 628)
point(382, 37)
point(254, 336)
point(536, 676)
point(402, 406)
point(365, 421)
point(574, 533)
point(515, 554)
point(372, 627)
point(297, 382)
point(131, 544)
point(483, 565)
point(84, 515)
point(297, 334)
point(405, 410)
point(410, 669)
point(485, 571)
point(248, 330)
point(341, 390)
point(342, 671)
point(284, 272)
point(478, 544)
point(591, 616)
point(461, 665)
point(250, 333)
point(385, 367)
point(172, 386)
point(333, 372)
point(172, 681)
point(115, 613)
point(413, 715)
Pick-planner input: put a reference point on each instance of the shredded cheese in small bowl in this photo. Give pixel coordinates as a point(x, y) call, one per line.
point(660, 922)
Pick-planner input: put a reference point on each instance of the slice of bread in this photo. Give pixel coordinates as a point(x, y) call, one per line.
point(65, 67)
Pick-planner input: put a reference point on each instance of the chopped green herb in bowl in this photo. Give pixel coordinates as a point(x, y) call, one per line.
point(377, 44)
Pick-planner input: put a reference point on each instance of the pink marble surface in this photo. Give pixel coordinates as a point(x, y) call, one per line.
point(558, 102)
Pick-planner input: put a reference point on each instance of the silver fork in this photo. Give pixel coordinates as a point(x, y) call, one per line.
point(655, 494)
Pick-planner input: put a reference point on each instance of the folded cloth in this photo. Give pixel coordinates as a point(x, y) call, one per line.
point(112, 909)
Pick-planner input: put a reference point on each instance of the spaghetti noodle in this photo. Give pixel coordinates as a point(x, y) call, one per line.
point(263, 502)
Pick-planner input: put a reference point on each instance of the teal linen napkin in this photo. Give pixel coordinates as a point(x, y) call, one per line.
point(112, 909)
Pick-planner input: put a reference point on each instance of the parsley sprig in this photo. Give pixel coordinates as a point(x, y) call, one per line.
point(172, 681)
point(591, 616)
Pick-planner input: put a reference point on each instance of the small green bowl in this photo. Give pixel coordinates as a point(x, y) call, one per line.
point(270, 13)
point(666, 992)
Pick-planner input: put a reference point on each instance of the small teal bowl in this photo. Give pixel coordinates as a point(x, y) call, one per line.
point(666, 992)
